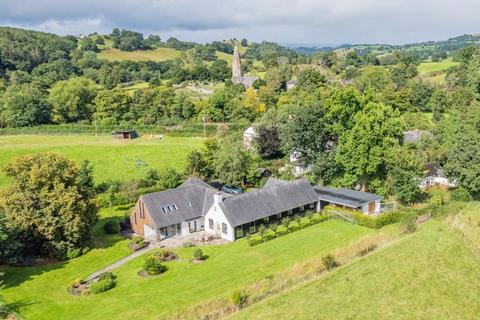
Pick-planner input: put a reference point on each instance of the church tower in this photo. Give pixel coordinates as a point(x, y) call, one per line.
point(236, 65)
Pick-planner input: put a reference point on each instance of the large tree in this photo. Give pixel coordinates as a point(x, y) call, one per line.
point(72, 100)
point(50, 208)
point(24, 105)
point(463, 160)
point(365, 150)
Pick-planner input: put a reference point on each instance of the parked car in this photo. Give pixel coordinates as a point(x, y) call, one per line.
point(228, 188)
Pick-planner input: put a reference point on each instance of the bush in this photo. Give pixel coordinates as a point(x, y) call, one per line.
point(409, 222)
point(281, 231)
point(137, 240)
point(73, 253)
point(254, 240)
point(270, 235)
point(329, 261)
point(294, 227)
point(111, 227)
point(388, 218)
point(238, 298)
point(460, 194)
point(153, 265)
point(105, 282)
point(187, 244)
point(198, 254)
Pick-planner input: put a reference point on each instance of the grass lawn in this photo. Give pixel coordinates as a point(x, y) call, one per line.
point(158, 54)
point(112, 159)
point(428, 67)
point(430, 275)
point(184, 284)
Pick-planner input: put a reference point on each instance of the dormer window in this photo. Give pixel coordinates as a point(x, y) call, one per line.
point(189, 204)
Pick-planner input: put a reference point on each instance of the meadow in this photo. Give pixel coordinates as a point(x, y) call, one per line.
point(112, 159)
point(429, 67)
point(428, 275)
point(42, 291)
point(157, 55)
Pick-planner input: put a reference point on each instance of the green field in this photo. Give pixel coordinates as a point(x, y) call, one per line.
point(430, 275)
point(43, 290)
point(158, 55)
point(429, 67)
point(112, 159)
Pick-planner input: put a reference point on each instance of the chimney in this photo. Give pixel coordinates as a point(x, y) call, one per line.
point(217, 198)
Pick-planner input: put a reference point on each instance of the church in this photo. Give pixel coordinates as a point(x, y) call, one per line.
point(246, 81)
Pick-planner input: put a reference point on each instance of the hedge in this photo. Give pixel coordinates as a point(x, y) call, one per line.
point(295, 225)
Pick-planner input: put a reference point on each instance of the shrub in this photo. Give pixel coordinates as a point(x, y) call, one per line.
point(105, 282)
point(73, 253)
point(329, 261)
point(153, 265)
point(273, 227)
point(409, 222)
point(137, 240)
point(460, 194)
point(198, 254)
point(388, 218)
point(111, 227)
point(281, 231)
point(187, 244)
point(261, 230)
point(294, 227)
point(286, 222)
point(254, 240)
point(268, 236)
point(238, 298)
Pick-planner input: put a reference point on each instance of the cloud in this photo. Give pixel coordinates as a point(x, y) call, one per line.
point(309, 21)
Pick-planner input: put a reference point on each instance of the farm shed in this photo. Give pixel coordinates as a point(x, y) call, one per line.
point(125, 134)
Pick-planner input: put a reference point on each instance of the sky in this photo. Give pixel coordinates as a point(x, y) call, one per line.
point(316, 22)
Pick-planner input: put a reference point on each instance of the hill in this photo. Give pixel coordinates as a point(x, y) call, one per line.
point(429, 275)
point(157, 55)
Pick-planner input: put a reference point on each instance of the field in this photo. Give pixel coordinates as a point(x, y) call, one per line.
point(430, 275)
point(158, 55)
point(429, 67)
point(112, 159)
point(42, 290)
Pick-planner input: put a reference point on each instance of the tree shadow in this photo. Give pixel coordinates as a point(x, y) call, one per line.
point(16, 275)
point(7, 310)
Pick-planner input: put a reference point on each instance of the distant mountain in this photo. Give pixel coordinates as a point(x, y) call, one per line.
point(451, 44)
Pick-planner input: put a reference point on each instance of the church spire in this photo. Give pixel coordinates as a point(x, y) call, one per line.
point(236, 65)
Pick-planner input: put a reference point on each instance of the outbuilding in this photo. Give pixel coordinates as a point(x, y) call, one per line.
point(125, 134)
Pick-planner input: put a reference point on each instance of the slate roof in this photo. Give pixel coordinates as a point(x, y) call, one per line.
point(273, 182)
point(347, 197)
point(270, 200)
point(191, 198)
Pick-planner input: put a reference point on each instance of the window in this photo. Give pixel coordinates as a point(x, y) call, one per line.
point(169, 208)
point(174, 206)
point(189, 204)
point(164, 209)
point(210, 224)
point(142, 210)
point(224, 228)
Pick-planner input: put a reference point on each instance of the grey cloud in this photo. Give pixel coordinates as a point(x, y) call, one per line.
point(321, 21)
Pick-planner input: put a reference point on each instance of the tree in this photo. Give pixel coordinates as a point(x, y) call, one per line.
point(307, 133)
point(72, 100)
point(231, 162)
point(244, 42)
point(405, 185)
point(365, 150)
point(267, 141)
point(310, 79)
point(168, 179)
point(463, 160)
point(45, 202)
point(24, 105)
point(252, 102)
point(196, 165)
point(111, 106)
point(438, 104)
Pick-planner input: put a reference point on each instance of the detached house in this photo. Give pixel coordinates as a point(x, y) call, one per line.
point(196, 206)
